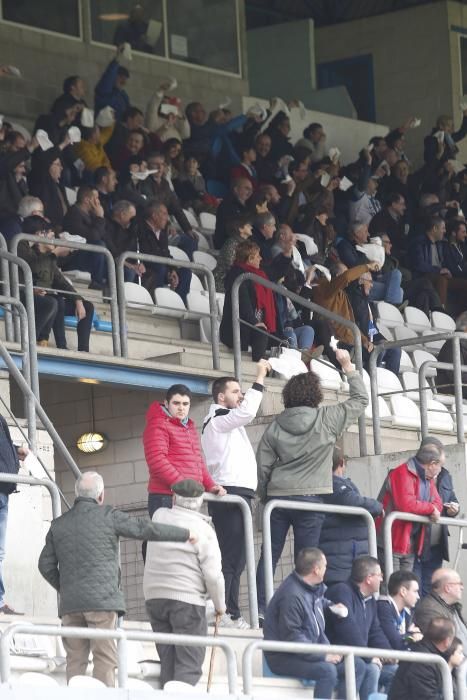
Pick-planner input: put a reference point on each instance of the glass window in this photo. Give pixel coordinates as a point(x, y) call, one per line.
point(204, 32)
point(58, 16)
point(120, 21)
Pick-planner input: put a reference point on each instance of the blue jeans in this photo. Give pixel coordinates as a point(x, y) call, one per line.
point(3, 522)
point(391, 359)
point(387, 674)
point(424, 569)
point(326, 675)
point(388, 288)
point(306, 527)
point(370, 681)
point(185, 243)
point(300, 338)
point(156, 276)
point(158, 500)
point(94, 263)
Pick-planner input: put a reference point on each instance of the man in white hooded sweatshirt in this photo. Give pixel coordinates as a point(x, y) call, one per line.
point(231, 460)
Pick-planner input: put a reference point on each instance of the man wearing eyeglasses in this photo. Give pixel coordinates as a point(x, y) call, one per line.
point(444, 600)
point(411, 488)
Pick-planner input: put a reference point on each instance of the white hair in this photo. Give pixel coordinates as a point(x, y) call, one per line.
point(89, 485)
point(27, 205)
point(192, 503)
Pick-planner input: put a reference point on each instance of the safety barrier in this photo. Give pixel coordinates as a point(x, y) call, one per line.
point(249, 550)
point(5, 271)
point(282, 291)
point(349, 654)
point(170, 262)
point(51, 486)
point(462, 681)
point(122, 636)
point(411, 517)
point(379, 348)
point(89, 248)
point(315, 507)
point(457, 370)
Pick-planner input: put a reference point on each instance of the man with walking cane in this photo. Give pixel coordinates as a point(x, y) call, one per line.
point(177, 581)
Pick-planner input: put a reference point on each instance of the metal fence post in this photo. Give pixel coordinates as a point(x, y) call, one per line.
point(6, 291)
point(456, 359)
point(350, 684)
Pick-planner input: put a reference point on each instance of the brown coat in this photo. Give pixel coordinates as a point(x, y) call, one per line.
point(332, 296)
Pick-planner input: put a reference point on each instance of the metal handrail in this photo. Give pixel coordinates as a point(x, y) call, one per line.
point(51, 486)
point(372, 367)
point(5, 270)
point(122, 636)
point(349, 654)
point(457, 370)
point(31, 319)
point(33, 401)
point(171, 262)
point(282, 291)
point(89, 248)
point(314, 507)
point(411, 517)
point(462, 681)
point(249, 549)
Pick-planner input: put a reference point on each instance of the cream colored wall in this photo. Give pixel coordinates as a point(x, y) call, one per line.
point(412, 56)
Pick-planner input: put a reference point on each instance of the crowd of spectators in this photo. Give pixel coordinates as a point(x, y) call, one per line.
point(350, 234)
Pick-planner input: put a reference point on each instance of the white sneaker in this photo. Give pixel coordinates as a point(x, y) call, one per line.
point(226, 621)
point(240, 624)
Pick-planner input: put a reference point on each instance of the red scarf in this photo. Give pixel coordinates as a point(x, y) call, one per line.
point(264, 298)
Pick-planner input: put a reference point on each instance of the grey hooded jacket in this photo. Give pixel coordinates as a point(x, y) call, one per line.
point(294, 456)
point(80, 558)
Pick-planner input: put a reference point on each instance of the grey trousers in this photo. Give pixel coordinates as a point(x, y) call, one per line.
point(178, 663)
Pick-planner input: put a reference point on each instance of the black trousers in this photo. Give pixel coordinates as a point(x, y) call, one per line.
point(228, 523)
point(178, 663)
point(66, 307)
point(45, 311)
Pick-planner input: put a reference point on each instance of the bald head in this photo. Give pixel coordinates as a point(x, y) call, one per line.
point(90, 485)
point(448, 585)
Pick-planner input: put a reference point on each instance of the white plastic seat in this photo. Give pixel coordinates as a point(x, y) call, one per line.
point(384, 412)
point(410, 382)
point(421, 356)
point(406, 363)
point(416, 319)
point(389, 315)
point(405, 333)
point(442, 322)
point(438, 417)
point(168, 303)
point(209, 261)
point(203, 243)
point(433, 345)
point(208, 223)
point(192, 220)
point(79, 275)
point(405, 412)
point(387, 381)
point(33, 678)
point(385, 332)
point(85, 682)
point(178, 253)
point(329, 376)
point(199, 303)
point(137, 684)
point(196, 285)
point(137, 297)
point(220, 303)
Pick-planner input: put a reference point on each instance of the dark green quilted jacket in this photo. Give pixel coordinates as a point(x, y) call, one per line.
point(80, 558)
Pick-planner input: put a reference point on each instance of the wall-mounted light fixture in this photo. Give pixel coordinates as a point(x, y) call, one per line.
point(92, 441)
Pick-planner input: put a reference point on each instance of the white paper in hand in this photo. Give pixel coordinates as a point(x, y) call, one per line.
point(325, 179)
point(43, 138)
point(334, 154)
point(74, 134)
point(288, 364)
point(345, 184)
point(324, 271)
point(339, 609)
point(144, 174)
point(126, 52)
point(87, 118)
point(301, 110)
point(463, 103)
point(310, 245)
point(14, 71)
point(415, 123)
point(439, 135)
point(457, 166)
point(226, 102)
point(106, 117)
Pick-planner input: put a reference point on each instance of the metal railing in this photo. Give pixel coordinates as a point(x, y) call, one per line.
point(462, 681)
point(122, 636)
point(170, 262)
point(51, 486)
point(411, 517)
point(282, 291)
point(5, 271)
point(349, 654)
point(249, 549)
point(35, 406)
point(88, 248)
point(407, 342)
point(457, 370)
point(317, 508)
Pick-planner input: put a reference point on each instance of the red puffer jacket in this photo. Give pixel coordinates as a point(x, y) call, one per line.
point(173, 452)
point(401, 492)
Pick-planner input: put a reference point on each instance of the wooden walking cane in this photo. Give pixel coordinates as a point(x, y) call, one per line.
point(213, 651)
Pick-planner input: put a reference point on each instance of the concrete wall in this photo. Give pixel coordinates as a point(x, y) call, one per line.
point(46, 59)
point(412, 58)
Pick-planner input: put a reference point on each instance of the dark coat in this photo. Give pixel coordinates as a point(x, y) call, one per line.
point(361, 628)
point(455, 259)
point(162, 193)
point(383, 222)
point(445, 376)
point(343, 537)
point(415, 680)
point(228, 210)
point(11, 191)
point(431, 145)
point(349, 254)
point(247, 300)
point(9, 463)
point(119, 239)
point(89, 226)
point(389, 620)
point(106, 93)
point(296, 614)
point(80, 558)
point(420, 256)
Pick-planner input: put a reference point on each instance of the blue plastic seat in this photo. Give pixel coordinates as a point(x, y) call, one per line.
point(267, 673)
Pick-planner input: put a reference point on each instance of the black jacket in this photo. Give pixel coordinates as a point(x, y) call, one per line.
point(89, 226)
point(431, 145)
point(420, 256)
point(343, 537)
point(11, 191)
point(349, 254)
point(9, 462)
point(118, 239)
point(383, 222)
point(455, 259)
point(247, 300)
point(163, 194)
point(148, 243)
point(444, 378)
point(418, 681)
point(389, 621)
point(228, 210)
